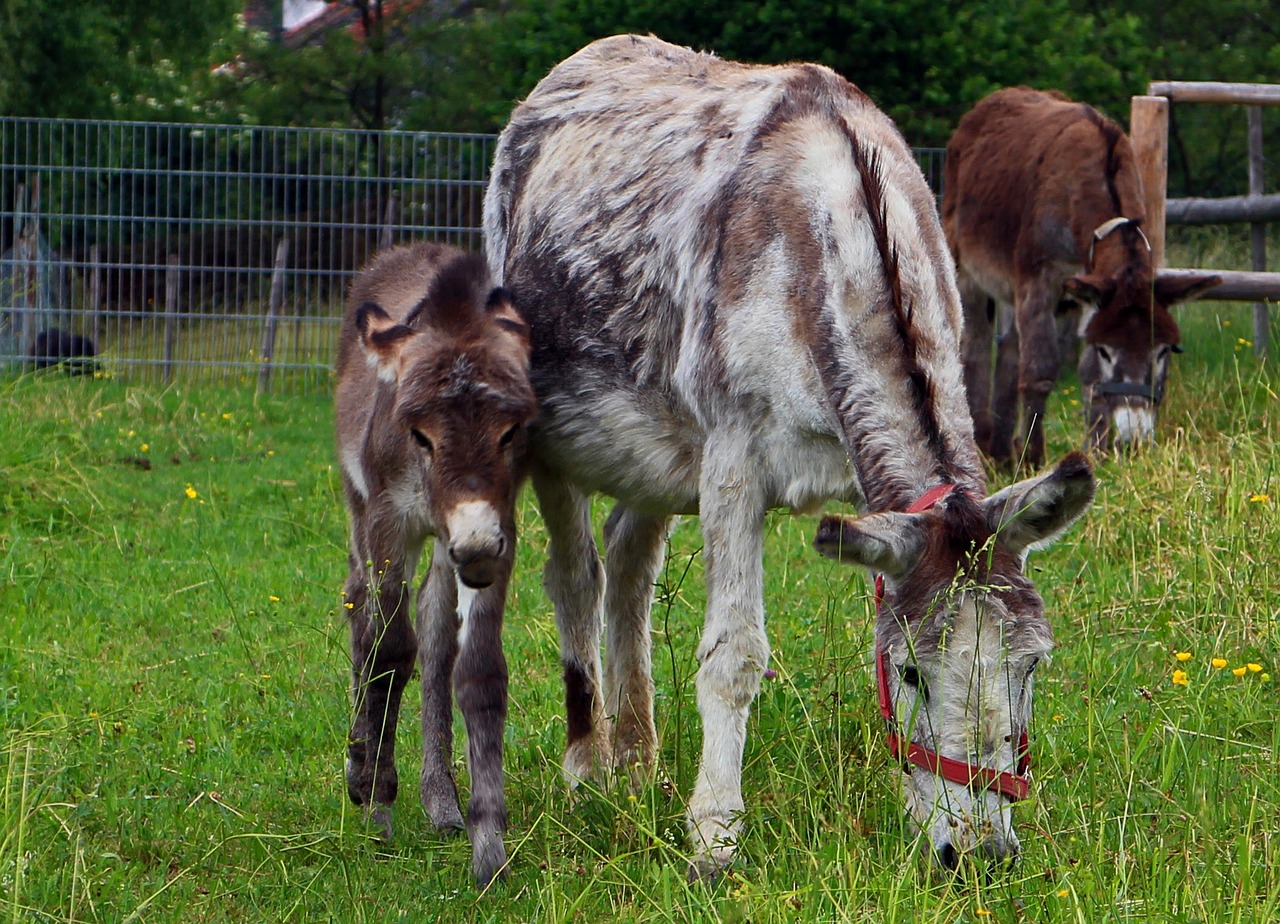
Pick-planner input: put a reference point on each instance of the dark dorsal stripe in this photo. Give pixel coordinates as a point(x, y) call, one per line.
point(908, 337)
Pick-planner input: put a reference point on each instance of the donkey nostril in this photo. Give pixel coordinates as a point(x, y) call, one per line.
point(947, 857)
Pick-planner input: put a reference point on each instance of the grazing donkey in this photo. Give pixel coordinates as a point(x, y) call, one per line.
point(740, 298)
point(432, 402)
point(1042, 206)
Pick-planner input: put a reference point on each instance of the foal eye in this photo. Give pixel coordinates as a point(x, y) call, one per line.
point(421, 439)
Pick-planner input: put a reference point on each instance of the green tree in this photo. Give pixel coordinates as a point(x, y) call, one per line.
point(106, 58)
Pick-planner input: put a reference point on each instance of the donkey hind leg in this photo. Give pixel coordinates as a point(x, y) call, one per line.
point(734, 650)
point(634, 551)
point(383, 648)
point(978, 344)
point(1004, 391)
point(480, 681)
point(574, 581)
point(437, 652)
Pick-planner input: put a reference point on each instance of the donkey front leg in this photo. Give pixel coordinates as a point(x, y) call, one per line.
point(1038, 362)
point(574, 581)
point(480, 680)
point(383, 647)
point(438, 650)
point(634, 549)
point(734, 650)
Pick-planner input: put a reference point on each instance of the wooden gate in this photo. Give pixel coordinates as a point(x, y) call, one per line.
point(1149, 133)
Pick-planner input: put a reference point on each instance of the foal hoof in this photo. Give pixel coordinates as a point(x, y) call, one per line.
point(378, 818)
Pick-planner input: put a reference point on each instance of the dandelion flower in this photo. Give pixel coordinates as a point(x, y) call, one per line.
point(192, 493)
point(1183, 656)
point(1180, 678)
point(1239, 671)
point(1253, 667)
point(1219, 663)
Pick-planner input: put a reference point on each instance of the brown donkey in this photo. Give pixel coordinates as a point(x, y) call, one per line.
point(432, 401)
point(1042, 206)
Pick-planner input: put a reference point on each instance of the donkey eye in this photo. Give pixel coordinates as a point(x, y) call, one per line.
point(1031, 669)
point(1104, 354)
point(910, 675)
point(421, 439)
point(505, 440)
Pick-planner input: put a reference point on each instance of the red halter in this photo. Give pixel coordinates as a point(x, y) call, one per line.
point(1013, 786)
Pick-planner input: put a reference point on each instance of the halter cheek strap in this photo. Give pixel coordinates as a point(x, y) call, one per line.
point(1014, 786)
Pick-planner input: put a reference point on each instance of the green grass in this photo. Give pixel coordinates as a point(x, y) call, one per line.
point(173, 686)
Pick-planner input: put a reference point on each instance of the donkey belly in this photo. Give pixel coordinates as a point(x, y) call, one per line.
point(632, 447)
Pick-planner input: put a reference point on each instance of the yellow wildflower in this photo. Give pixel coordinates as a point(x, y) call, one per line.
point(1063, 893)
point(982, 912)
point(192, 493)
point(1253, 667)
point(226, 416)
point(1243, 342)
point(1183, 656)
point(1239, 671)
point(1219, 663)
point(145, 447)
point(1180, 678)
point(350, 606)
point(1260, 499)
point(273, 598)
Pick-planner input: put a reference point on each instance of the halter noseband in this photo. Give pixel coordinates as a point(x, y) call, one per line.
point(1014, 786)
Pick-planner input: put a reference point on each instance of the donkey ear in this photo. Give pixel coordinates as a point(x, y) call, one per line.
point(1171, 291)
point(501, 307)
point(887, 543)
point(382, 338)
point(1032, 514)
point(1087, 290)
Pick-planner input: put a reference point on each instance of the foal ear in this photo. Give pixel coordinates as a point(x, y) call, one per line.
point(382, 338)
point(1032, 514)
point(887, 543)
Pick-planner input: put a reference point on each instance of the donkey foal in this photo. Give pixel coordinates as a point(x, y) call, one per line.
point(432, 401)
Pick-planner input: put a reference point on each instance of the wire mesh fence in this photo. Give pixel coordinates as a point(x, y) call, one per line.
point(205, 250)
point(158, 251)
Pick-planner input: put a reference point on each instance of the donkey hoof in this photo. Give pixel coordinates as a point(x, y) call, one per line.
point(709, 867)
point(378, 819)
point(488, 859)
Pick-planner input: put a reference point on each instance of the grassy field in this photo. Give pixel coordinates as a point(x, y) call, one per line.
point(173, 686)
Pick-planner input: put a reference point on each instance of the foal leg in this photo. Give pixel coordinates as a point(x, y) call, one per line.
point(383, 647)
point(634, 549)
point(734, 650)
point(437, 652)
point(480, 680)
point(574, 581)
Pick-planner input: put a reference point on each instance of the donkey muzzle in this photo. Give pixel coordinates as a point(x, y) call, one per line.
point(477, 546)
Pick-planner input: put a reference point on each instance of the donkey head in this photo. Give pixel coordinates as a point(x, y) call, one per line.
point(959, 632)
point(1129, 333)
point(460, 367)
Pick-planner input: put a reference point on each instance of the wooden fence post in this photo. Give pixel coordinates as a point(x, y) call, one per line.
point(171, 278)
point(273, 315)
point(1149, 134)
point(1257, 230)
point(96, 317)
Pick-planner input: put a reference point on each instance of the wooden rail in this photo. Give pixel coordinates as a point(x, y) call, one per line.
point(1149, 133)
